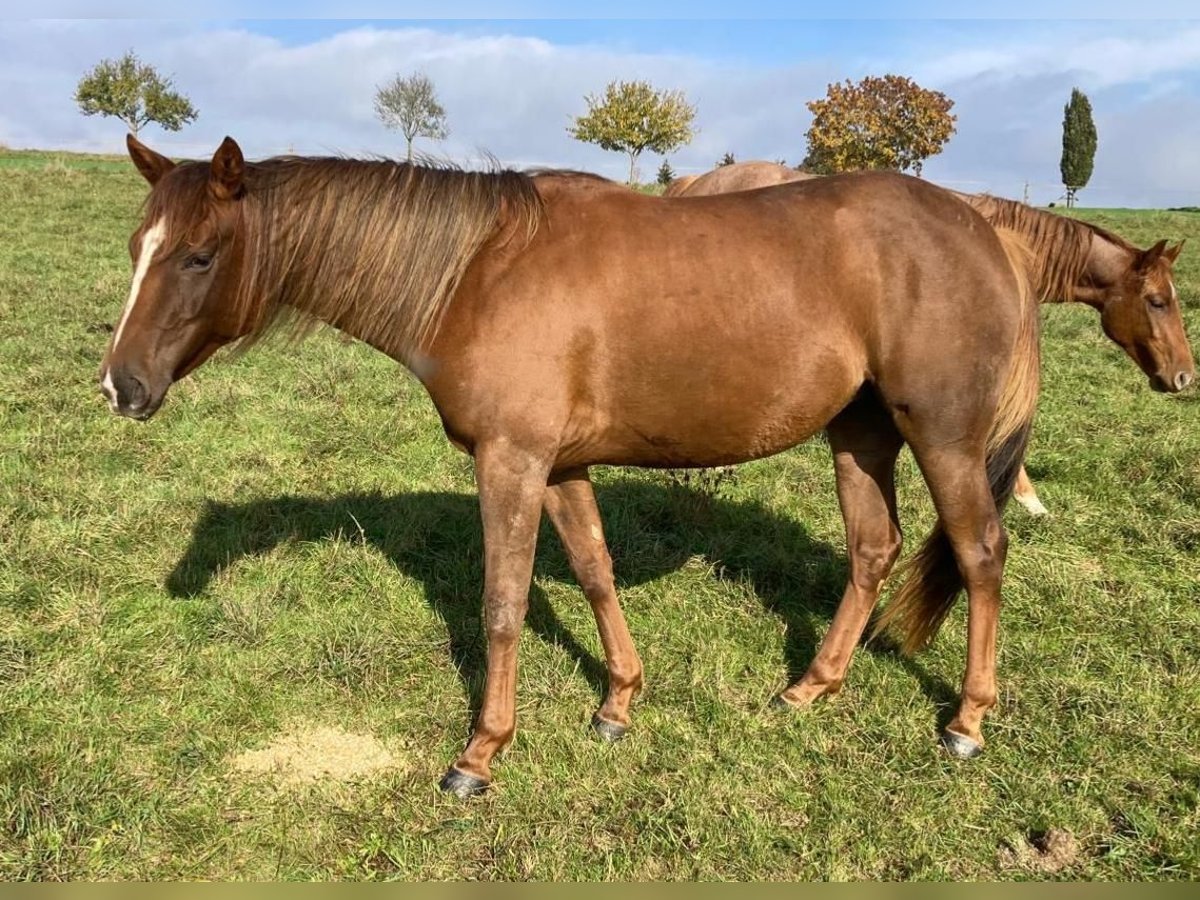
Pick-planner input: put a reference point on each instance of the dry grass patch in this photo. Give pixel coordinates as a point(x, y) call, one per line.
point(1046, 853)
point(307, 754)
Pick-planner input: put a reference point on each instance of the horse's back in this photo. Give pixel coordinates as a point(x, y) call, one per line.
point(742, 176)
point(868, 254)
point(679, 186)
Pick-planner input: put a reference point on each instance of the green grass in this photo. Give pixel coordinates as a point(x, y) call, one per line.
point(292, 540)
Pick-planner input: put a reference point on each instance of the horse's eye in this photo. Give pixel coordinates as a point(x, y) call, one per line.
point(198, 262)
point(1158, 301)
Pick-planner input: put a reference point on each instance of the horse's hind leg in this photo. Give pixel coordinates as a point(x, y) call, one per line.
point(957, 478)
point(571, 506)
point(865, 445)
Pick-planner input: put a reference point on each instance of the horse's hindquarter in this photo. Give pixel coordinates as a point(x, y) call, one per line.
point(689, 332)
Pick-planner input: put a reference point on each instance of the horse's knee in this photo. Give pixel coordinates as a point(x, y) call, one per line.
point(594, 574)
point(504, 617)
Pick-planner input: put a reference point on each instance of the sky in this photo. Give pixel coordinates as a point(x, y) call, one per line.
point(511, 87)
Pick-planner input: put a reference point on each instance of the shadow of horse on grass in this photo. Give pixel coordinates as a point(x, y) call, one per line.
point(653, 529)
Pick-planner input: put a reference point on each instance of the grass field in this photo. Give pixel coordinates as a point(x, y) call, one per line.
point(292, 545)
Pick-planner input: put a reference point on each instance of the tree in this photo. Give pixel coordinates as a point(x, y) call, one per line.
point(816, 164)
point(665, 174)
point(1078, 143)
point(133, 92)
point(411, 105)
point(632, 116)
point(726, 160)
point(887, 122)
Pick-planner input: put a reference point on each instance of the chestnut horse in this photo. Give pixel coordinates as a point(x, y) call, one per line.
point(1132, 289)
point(560, 321)
point(678, 187)
point(743, 176)
point(1072, 261)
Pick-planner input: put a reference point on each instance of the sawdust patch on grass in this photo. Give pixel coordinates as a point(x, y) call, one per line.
point(1047, 852)
point(307, 754)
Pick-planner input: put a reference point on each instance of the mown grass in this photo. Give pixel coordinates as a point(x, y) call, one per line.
point(292, 540)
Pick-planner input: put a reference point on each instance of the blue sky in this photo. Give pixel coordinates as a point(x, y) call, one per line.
point(511, 86)
point(753, 42)
point(749, 42)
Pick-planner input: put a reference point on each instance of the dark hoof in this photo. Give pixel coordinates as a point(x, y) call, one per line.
point(960, 746)
point(610, 731)
point(462, 785)
point(778, 703)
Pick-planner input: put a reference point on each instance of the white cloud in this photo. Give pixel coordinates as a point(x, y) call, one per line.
point(514, 97)
point(1098, 62)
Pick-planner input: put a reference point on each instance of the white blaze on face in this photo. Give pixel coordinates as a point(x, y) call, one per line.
point(151, 241)
point(110, 390)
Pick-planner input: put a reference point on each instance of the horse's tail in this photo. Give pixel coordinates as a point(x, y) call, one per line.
point(932, 580)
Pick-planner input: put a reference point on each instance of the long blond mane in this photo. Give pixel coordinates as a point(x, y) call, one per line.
point(1060, 246)
point(374, 246)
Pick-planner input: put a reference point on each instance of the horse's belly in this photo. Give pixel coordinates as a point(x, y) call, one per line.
point(721, 423)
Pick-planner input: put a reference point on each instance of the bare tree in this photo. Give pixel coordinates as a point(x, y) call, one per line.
point(411, 105)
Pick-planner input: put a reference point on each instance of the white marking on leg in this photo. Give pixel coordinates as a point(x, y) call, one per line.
point(150, 244)
point(1032, 504)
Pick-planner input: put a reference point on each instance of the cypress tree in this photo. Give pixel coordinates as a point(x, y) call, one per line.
point(1078, 143)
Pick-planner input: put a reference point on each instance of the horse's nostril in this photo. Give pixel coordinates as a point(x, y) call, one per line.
point(1182, 380)
point(132, 392)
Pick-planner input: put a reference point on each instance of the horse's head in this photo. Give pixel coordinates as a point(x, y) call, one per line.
point(187, 261)
point(1140, 311)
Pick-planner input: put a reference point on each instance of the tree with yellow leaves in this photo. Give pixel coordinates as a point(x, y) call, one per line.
point(887, 122)
point(632, 116)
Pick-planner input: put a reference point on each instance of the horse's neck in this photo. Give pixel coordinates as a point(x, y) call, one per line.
point(384, 267)
point(1106, 263)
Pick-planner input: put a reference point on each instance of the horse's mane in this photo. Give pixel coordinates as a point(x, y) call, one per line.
point(375, 246)
point(1060, 245)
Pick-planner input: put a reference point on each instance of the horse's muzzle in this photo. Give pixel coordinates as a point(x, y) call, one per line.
point(128, 395)
point(1164, 382)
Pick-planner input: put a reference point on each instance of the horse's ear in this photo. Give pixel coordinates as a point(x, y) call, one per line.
point(1151, 256)
point(228, 169)
point(153, 166)
point(1172, 253)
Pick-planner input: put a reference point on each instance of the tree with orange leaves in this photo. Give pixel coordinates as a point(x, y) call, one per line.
point(888, 122)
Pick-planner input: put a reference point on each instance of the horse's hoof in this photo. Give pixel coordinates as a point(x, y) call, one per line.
point(1031, 505)
point(778, 702)
point(609, 731)
point(462, 785)
point(960, 746)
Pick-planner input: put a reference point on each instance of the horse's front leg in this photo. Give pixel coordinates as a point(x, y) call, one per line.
point(512, 486)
